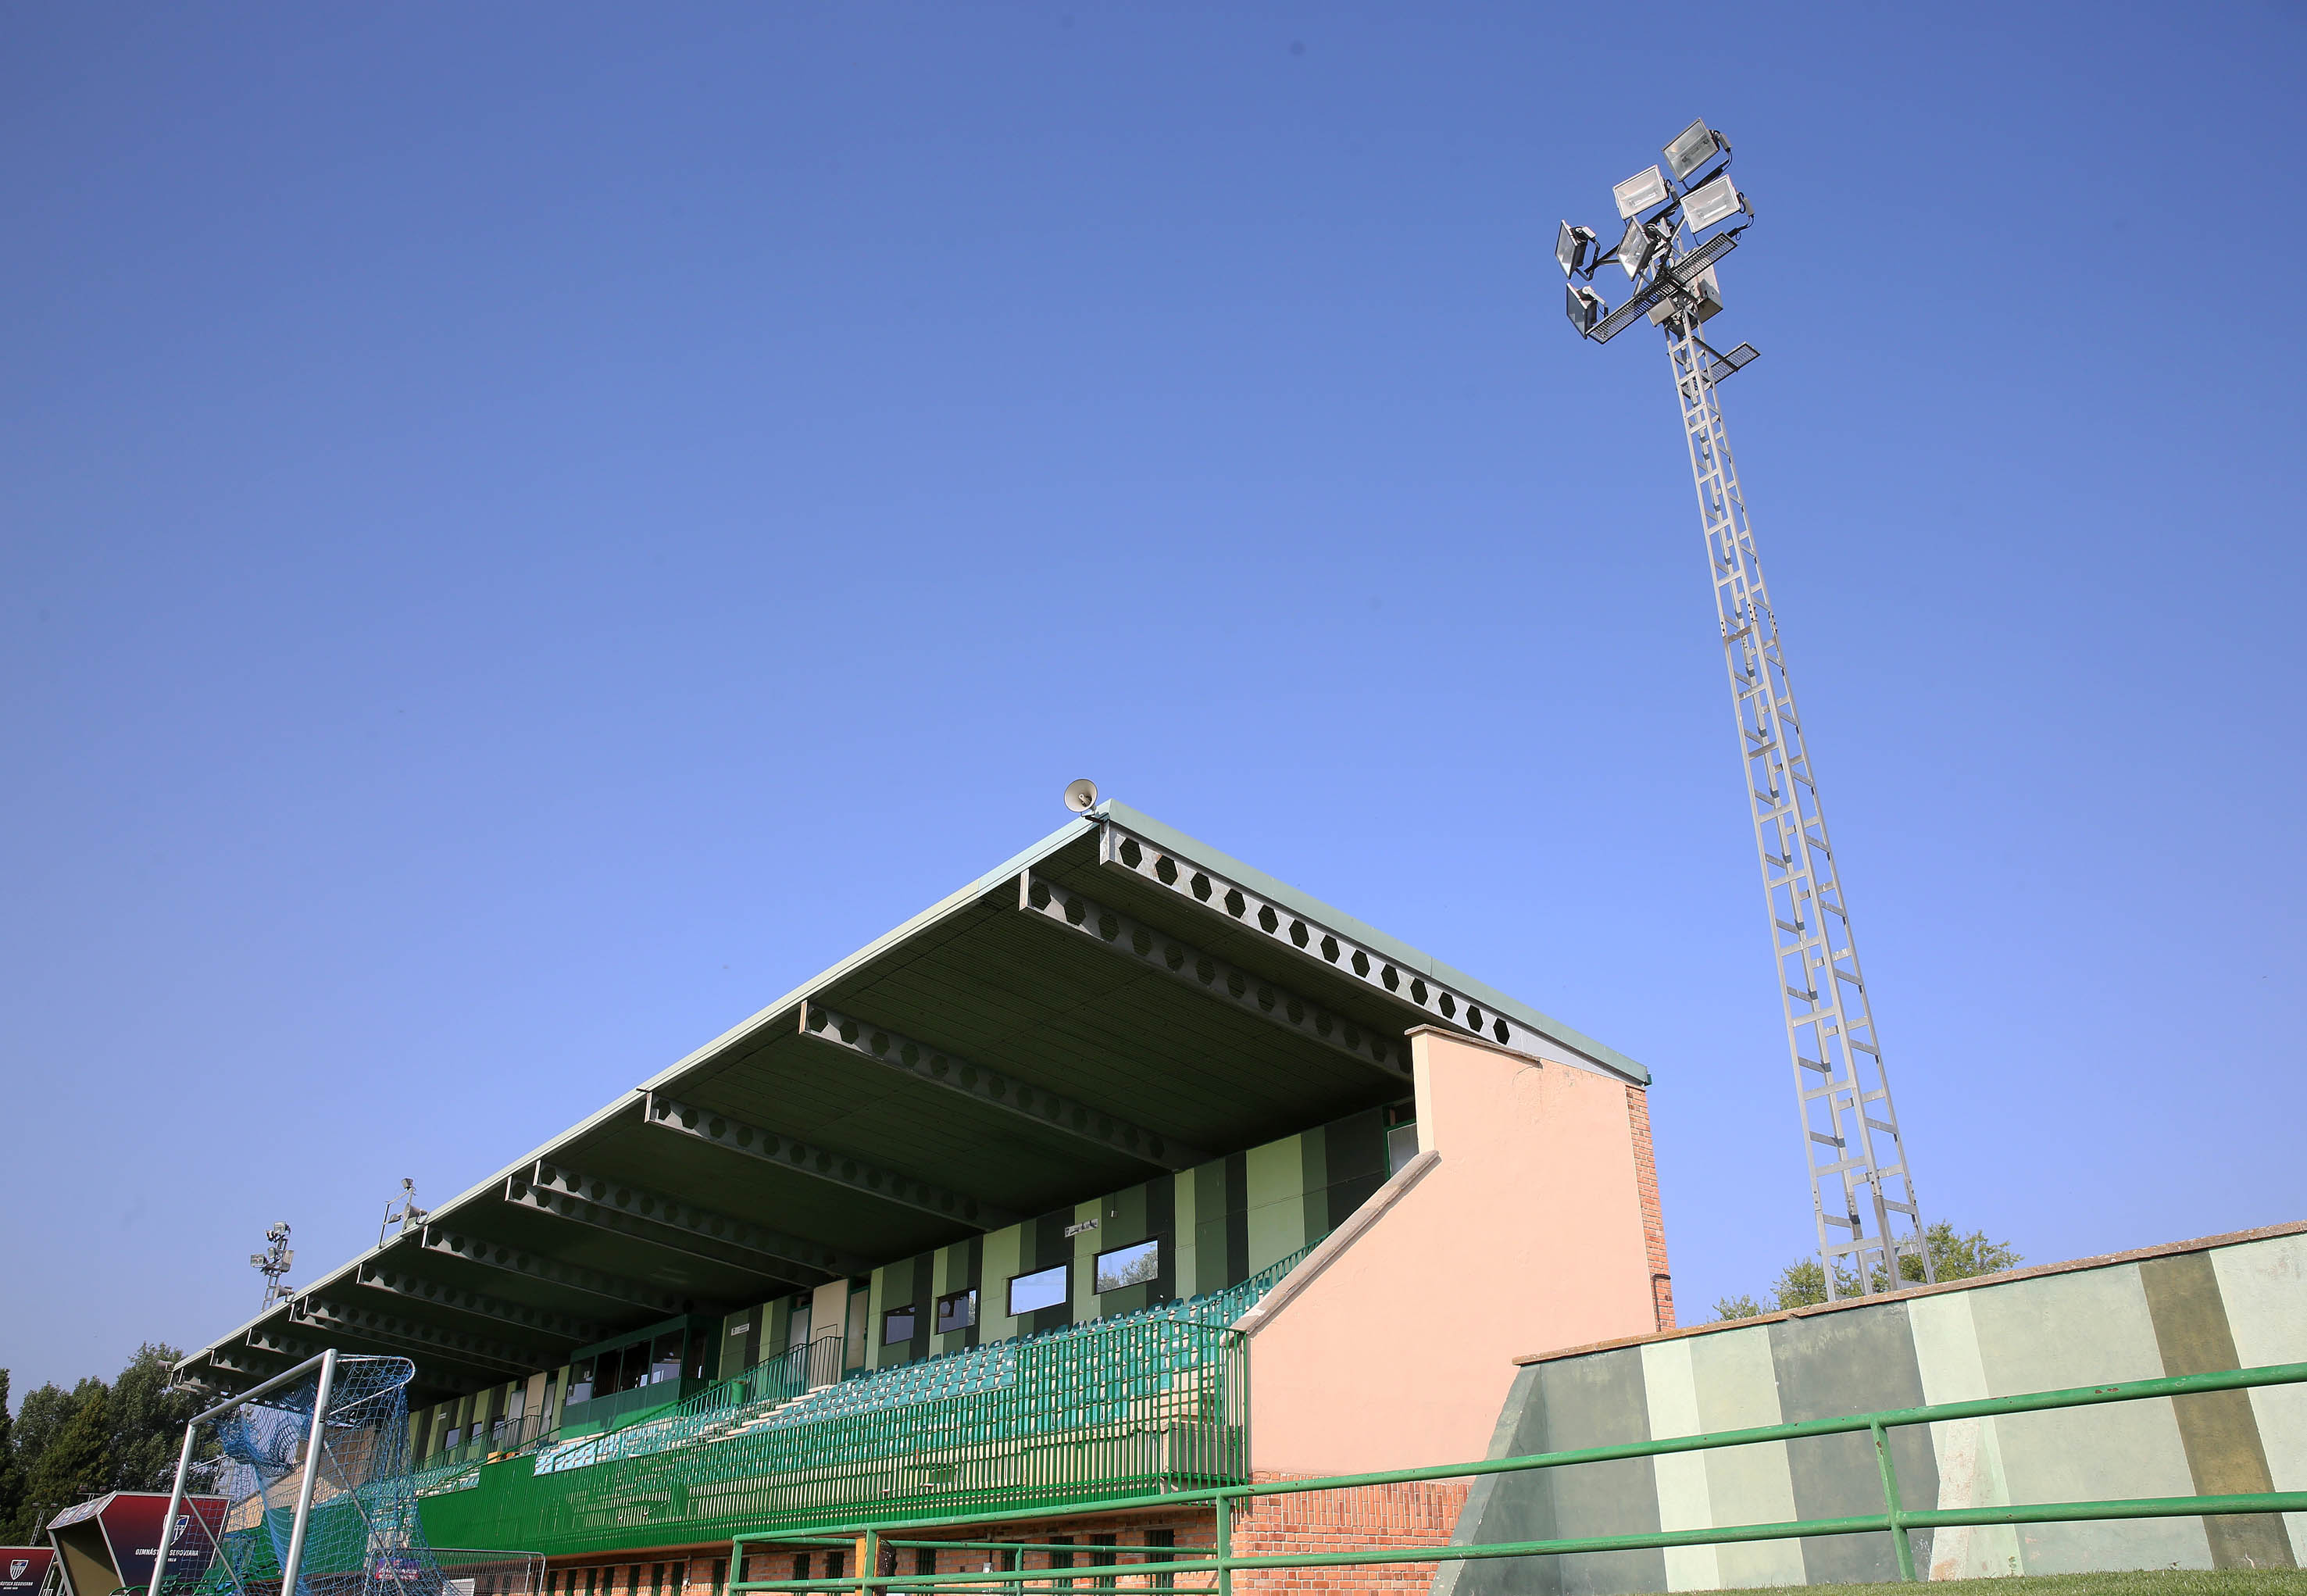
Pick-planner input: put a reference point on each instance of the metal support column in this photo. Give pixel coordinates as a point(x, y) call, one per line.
point(1860, 1186)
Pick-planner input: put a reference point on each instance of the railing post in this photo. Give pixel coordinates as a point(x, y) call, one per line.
point(1891, 1503)
point(1224, 1546)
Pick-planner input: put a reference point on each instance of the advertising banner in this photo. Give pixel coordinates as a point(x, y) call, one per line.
point(117, 1537)
point(23, 1567)
point(131, 1523)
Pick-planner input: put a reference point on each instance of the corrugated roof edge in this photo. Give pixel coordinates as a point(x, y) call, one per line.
point(1393, 948)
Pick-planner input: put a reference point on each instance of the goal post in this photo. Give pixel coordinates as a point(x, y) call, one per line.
point(313, 1465)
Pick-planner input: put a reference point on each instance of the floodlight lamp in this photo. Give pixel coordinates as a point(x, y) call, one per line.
point(1693, 147)
point(1636, 248)
point(1574, 247)
point(1711, 203)
point(1639, 192)
point(1584, 307)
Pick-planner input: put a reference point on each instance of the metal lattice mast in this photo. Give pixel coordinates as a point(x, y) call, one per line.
point(1859, 1174)
point(1862, 1193)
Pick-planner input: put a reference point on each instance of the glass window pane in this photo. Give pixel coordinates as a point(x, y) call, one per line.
point(1129, 1266)
point(664, 1363)
point(1044, 1288)
point(957, 1311)
point(581, 1381)
point(1401, 1147)
point(897, 1325)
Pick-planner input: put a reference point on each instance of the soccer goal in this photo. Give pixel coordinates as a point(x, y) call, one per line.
point(314, 1468)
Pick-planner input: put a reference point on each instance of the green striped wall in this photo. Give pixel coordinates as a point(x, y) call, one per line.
point(1219, 1224)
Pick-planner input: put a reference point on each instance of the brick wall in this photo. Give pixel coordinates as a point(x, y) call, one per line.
point(1638, 1114)
point(1331, 1520)
point(1337, 1521)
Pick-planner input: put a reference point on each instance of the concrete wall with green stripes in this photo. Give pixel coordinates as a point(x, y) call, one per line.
point(2228, 1302)
point(1217, 1224)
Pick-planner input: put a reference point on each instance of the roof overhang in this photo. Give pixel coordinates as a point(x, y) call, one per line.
point(1118, 1001)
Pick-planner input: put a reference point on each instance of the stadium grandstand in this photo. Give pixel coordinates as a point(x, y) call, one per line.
point(1125, 1169)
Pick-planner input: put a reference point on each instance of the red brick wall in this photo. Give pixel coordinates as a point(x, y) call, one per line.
point(1390, 1515)
point(1638, 1114)
point(1338, 1521)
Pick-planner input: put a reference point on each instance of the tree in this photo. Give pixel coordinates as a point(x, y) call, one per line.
point(1803, 1282)
point(41, 1419)
point(12, 1482)
point(148, 1420)
point(79, 1463)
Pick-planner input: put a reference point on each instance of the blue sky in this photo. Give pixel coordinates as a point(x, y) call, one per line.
point(529, 530)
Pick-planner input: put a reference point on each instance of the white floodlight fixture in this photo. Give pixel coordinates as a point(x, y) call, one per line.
point(1636, 248)
point(1715, 202)
point(1693, 147)
point(1584, 307)
point(1639, 192)
point(1574, 248)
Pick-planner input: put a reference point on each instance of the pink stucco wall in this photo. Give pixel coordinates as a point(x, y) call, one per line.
point(1528, 1232)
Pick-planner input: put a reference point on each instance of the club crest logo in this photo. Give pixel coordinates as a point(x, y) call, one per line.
point(16, 1567)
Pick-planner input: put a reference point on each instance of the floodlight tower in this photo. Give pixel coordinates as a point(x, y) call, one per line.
point(275, 1261)
point(1861, 1189)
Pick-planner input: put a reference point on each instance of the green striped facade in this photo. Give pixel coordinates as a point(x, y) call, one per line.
point(1219, 1222)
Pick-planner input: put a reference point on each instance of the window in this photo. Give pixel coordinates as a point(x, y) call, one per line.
point(665, 1362)
point(1044, 1288)
point(957, 1311)
point(897, 1325)
point(1401, 1145)
point(720, 1574)
point(1129, 1266)
point(1103, 1582)
point(455, 1435)
point(1164, 1537)
point(581, 1381)
point(924, 1560)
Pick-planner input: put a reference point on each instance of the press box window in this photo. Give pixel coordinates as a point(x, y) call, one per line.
point(1044, 1288)
point(897, 1325)
point(957, 1311)
point(1129, 1266)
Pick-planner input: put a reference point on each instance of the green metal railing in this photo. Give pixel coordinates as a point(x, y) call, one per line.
point(1154, 1401)
point(868, 1538)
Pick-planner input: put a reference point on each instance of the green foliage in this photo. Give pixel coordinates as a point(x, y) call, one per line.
point(148, 1421)
point(1803, 1282)
point(79, 1463)
point(12, 1478)
point(66, 1445)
